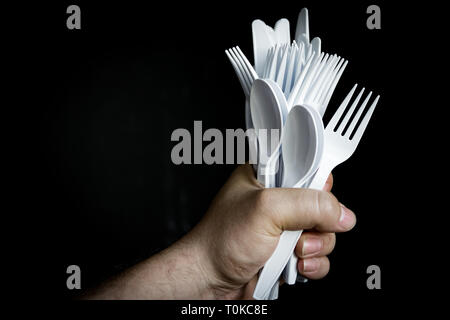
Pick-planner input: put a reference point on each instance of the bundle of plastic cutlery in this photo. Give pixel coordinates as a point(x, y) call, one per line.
point(288, 90)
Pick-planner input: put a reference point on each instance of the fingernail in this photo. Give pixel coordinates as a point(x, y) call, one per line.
point(310, 265)
point(312, 246)
point(347, 218)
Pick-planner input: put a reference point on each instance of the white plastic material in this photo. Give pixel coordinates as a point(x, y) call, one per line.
point(299, 138)
point(302, 26)
point(261, 43)
point(292, 74)
point(338, 147)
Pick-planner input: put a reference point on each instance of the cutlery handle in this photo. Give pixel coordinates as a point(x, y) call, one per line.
point(280, 257)
point(320, 177)
point(274, 291)
point(317, 182)
point(275, 265)
point(290, 271)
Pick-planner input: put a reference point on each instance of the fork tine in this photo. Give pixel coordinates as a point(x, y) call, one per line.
point(357, 116)
point(299, 80)
point(317, 80)
point(242, 67)
point(248, 65)
point(335, 71)
point(290, 69)
point(362, 127)
point(247, 72)
point(331, 89)
point(349, 113)
point(238, 73)
point(267, 64)
point(327, 80)
point(320, 79)
point(273, 65)
point(242, 71)
point(299, 63)
point(322, 65)
point(308, 79)
point(281, 74)
point(337, 115)
point(315, 83)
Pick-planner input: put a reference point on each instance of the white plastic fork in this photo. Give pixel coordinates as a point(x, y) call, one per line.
point(320, 79)
point(317, 82)
point(244, 70)
point(315, 97)
point(314, 85)
point(338, 144)
point(338, 147)
point(246, 75)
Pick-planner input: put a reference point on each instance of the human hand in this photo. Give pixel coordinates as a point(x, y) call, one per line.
point(244, 222)
point(221, 257)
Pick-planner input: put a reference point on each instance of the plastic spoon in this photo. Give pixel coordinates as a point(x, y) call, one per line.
point(266, 114)
point(284, 111)
point(290, 271)
point(299, 132)
point(301, 166)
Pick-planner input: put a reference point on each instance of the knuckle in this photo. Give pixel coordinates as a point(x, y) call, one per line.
point(330, 242)
point(266, 212)
point(264, 199)
point(325, 264)
point(327, 204)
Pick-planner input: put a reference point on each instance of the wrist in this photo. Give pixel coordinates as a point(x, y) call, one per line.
point(207, 267)
point(189, 270)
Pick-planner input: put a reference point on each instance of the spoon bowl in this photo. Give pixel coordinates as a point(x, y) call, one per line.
point(302, 145)
point(266, 113)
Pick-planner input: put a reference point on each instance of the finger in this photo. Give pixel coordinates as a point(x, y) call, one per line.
point(250, 288)
point(315, 244)
point(329, 184)
point(314, 268)
point(297, 209)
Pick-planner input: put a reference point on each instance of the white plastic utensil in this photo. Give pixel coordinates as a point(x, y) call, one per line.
point(316, 84)
point(268, 107)
point(338, 147)
point(290, 69)
point(325, 79)
point(264, 38)
point(301, 74)
point(262, 41)
point(295, 165)
point(283, 107)
point(281, 68)
point(314, 99)
point(246, 75)
point(340, 144)
point(278, 173)
point(302, 27)
point(300, 124)
point(316, 44)
point(302, 149)
point(282, 32)
point(266, 114)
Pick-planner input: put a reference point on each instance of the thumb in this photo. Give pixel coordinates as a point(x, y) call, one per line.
point(297, 209)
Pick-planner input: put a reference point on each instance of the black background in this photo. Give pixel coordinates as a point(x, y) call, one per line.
point(101, 186)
